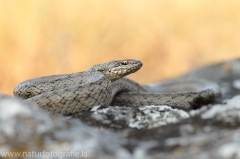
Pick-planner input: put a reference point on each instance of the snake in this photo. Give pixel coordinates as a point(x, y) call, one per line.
point(105, 85)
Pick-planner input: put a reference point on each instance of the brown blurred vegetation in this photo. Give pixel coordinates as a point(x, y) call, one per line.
point(42, 37)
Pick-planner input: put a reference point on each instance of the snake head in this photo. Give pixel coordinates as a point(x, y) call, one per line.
point(117, 69)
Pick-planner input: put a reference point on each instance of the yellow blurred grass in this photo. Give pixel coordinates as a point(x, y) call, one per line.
point(49, 37)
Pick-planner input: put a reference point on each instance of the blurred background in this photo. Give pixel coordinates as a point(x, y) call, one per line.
point(44, 37)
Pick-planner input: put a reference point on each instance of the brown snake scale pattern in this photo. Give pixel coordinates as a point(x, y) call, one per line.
point(104, 85)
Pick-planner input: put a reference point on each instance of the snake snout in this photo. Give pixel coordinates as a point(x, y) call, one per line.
point(123, 68)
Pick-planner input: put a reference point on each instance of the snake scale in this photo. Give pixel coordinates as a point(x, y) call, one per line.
point(104, 84)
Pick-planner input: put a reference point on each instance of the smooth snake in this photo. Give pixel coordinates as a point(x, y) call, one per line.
point(104, 84)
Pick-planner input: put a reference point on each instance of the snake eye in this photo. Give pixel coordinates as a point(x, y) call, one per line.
point(100, 70)
point(124, 62)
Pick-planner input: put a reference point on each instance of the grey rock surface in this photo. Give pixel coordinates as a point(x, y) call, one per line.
point(212, 131)
point(27, 128)
point(148, 117)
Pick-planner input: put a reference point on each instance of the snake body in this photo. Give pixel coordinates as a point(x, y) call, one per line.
point(104, 84)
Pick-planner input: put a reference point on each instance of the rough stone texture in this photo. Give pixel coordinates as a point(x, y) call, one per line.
point(148, 117)
point(27, 128)
point(132, 132)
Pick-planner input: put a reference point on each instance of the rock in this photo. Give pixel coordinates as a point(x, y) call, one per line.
point(226, 74)
point(148, 117)
point(129, 132)
point(205, 133)
point(32, 132)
